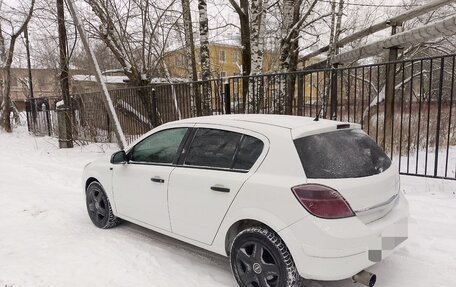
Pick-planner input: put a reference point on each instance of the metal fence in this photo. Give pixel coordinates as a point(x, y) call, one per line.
point(406, 107)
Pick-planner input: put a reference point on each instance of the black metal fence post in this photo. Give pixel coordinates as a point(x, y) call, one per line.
point(333, 109)
point(27, 113)
point(154, 109)
point(48, 117)
point(300, 102)
point(227, 98)
point(439, 115)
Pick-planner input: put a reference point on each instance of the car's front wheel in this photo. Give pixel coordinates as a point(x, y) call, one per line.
point(259, 258)
point(99, 208)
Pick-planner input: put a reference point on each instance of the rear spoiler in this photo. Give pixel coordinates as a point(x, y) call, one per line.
point(321, 127)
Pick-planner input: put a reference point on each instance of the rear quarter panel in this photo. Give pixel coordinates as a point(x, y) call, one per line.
point(266, 196)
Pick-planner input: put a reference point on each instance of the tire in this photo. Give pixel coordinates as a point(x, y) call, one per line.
point(99, 207)
point(272, 266)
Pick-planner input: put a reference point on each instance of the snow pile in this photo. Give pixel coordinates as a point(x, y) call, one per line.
point(107, 79)
point(47, 238)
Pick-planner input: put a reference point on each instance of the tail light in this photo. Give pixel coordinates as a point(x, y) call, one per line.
point(322, 201)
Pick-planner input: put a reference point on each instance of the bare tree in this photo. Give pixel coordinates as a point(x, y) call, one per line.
point(257, 35)
point(335, 31)
point(190, 52)
point(6, 59)
point(242, 9)
point(137, 33)
point(133, 31)
point(257, 52)
point(204, 55)
point(292, 23)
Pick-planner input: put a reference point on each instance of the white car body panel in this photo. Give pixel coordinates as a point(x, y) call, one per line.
point(138, 197)
point(323, 249)
point(195, 210)
point(191, 199)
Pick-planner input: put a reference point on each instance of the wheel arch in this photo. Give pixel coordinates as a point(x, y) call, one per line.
point(237, 227)
point(89, 181)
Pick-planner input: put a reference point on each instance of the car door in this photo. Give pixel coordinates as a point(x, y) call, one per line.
point(140, 186)
point(206, 181)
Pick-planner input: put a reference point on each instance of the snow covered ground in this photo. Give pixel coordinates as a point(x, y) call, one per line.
point(47, 238)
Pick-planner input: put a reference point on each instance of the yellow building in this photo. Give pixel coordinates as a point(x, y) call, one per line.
point(226, 61)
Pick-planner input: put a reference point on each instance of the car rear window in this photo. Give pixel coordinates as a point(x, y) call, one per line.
point(341, 154)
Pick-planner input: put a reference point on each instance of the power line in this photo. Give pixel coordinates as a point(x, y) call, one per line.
point(374, 5)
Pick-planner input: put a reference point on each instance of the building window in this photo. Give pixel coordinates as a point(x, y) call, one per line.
point(180, 60)
point(222, 56)
point(13, 81)
point(222, 74)
point(235, 57)
point(41, 79)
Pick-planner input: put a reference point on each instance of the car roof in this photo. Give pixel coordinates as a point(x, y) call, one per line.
point(298, 125)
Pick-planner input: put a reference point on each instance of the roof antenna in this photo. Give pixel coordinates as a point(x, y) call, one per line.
point(317, 118)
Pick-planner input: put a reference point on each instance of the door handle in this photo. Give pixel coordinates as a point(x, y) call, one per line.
point(220, 189)
point(157, 179)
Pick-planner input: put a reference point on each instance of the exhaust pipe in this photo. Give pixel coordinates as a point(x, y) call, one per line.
point(366, 278)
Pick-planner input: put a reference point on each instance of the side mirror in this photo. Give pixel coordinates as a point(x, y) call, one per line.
point(119, 157)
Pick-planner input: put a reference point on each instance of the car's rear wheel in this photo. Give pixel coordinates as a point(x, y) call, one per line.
point(99, 208)
point(259, 258)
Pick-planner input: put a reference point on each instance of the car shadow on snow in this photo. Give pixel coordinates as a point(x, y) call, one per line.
point(340, 283)
point(175, 243)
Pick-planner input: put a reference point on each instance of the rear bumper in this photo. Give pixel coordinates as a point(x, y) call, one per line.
point(337, 249)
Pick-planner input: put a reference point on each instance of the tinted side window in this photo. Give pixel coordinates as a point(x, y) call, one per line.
point(160, 147)
point(213, 148)
point(248, 153)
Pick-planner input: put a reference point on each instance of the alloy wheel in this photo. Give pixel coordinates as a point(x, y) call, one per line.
point(256, 265)
point(97, 205)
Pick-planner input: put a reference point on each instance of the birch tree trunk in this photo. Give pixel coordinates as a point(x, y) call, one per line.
point(257, 54)
point(331, 53)
point(7, 60)
point(338, 30)
point(205, 57)
point(282, 102)
point(292, 23)
point(242, 10)
point(333, 46)
point(190, 53)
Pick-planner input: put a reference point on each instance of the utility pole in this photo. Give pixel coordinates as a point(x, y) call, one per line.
point(121, 141)
point(29, 66)
point(65, 129)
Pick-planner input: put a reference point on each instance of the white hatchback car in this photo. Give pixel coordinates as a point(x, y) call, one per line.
point(284, 197)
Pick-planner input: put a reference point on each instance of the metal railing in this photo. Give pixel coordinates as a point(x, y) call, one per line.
point(406, 106)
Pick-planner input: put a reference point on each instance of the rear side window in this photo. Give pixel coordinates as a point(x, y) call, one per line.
point(213, 148)
point(341, 154)
point(223, 149)
point(248, 153)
